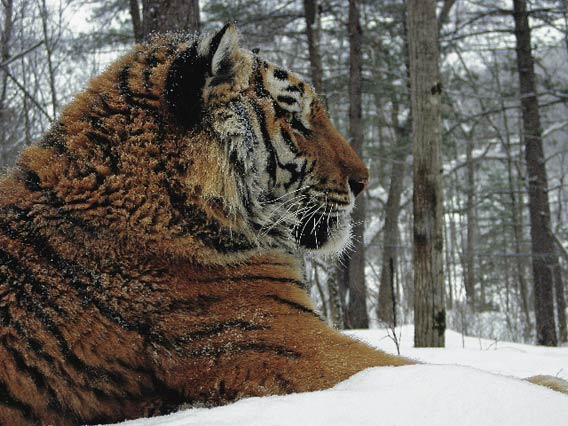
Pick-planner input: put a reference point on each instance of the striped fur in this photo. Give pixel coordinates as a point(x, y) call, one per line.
point(149, 242)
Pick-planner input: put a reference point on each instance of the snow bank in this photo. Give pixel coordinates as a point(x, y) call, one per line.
point(421, 395)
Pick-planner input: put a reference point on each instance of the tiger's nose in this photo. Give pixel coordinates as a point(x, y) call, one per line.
point(357, 184)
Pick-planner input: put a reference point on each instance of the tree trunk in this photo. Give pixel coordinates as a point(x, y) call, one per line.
point(312, 15)
point(469, 281)
point(356, 315)
point(170, 15)
point(386, 307)
point(544, 257)
point(136, 21)
point(560, 304)
point(517, 203)
point(5, 37)
point(335, 298)
point(426, 90)
point(44, 14)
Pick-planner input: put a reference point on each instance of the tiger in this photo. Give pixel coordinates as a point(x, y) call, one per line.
point(151, 241)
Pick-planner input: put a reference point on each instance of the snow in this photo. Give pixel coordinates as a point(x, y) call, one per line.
point(478, 385)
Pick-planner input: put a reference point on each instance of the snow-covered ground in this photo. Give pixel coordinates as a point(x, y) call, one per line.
point(477, 385)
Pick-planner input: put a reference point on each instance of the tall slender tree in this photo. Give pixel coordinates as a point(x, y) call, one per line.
point(544, 256)
point(313, 33)
point(356, 315)
point(426, 91)
point(387, 300)
point(5, 41)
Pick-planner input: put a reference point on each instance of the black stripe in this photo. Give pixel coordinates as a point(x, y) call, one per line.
point(286, 385)
point(55, 137)
point(292, 304)
point(127, 93)
point(280, 74)
point(108, 110)
point(272, 158)
point(266, 347)
point(39, 294)
point(304, 172)
point(32, 343)
point(123, 84)
point(39, 379)
point(151, 62)
point(199, 305)
point(106, 146)
point(293, 89)
point(218, 328)
point(299, 126)
point(6, 398)
point(236, 348)
point(289, 100)
point(259, 88)
point(284, 280)
point(31, 180)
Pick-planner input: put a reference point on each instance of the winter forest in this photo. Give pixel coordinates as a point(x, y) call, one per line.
point(490, 257)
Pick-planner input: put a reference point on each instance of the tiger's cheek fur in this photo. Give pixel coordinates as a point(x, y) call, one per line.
point(337, 162)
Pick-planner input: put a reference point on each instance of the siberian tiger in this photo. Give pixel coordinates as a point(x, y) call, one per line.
point(149, 242)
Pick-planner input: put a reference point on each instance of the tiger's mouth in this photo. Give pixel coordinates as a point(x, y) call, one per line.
point(314, 231)
point(324, 232)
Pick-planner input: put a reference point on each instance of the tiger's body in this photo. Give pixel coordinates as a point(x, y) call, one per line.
point(148, 243)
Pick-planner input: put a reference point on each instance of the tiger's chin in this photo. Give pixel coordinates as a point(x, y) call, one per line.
point(324, 236)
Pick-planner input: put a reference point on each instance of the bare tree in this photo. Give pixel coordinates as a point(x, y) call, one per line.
point(356, 315)
point(313, 25)
point(544, 256)
point(5, 38)
point(136, 21)
point(426, 90)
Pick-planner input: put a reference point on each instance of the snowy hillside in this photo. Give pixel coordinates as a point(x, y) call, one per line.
point(437, 395)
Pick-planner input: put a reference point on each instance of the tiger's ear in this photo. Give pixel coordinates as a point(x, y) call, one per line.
point(212, 57)
point(223, 49)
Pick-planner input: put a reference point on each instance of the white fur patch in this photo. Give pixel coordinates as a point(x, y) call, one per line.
point(228, 46)
point(204, 45)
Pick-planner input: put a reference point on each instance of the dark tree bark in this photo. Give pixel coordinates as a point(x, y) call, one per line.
point(544, 256)
point(170, 15)
point(469, 277)
point(356, 314)
point(312, 15)
point(426, 90)
point(136, 21)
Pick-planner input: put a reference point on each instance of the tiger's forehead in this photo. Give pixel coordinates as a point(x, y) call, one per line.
point(286, 81)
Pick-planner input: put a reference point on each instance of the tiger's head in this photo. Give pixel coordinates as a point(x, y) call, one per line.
point(296, 177)
point(196, 146)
